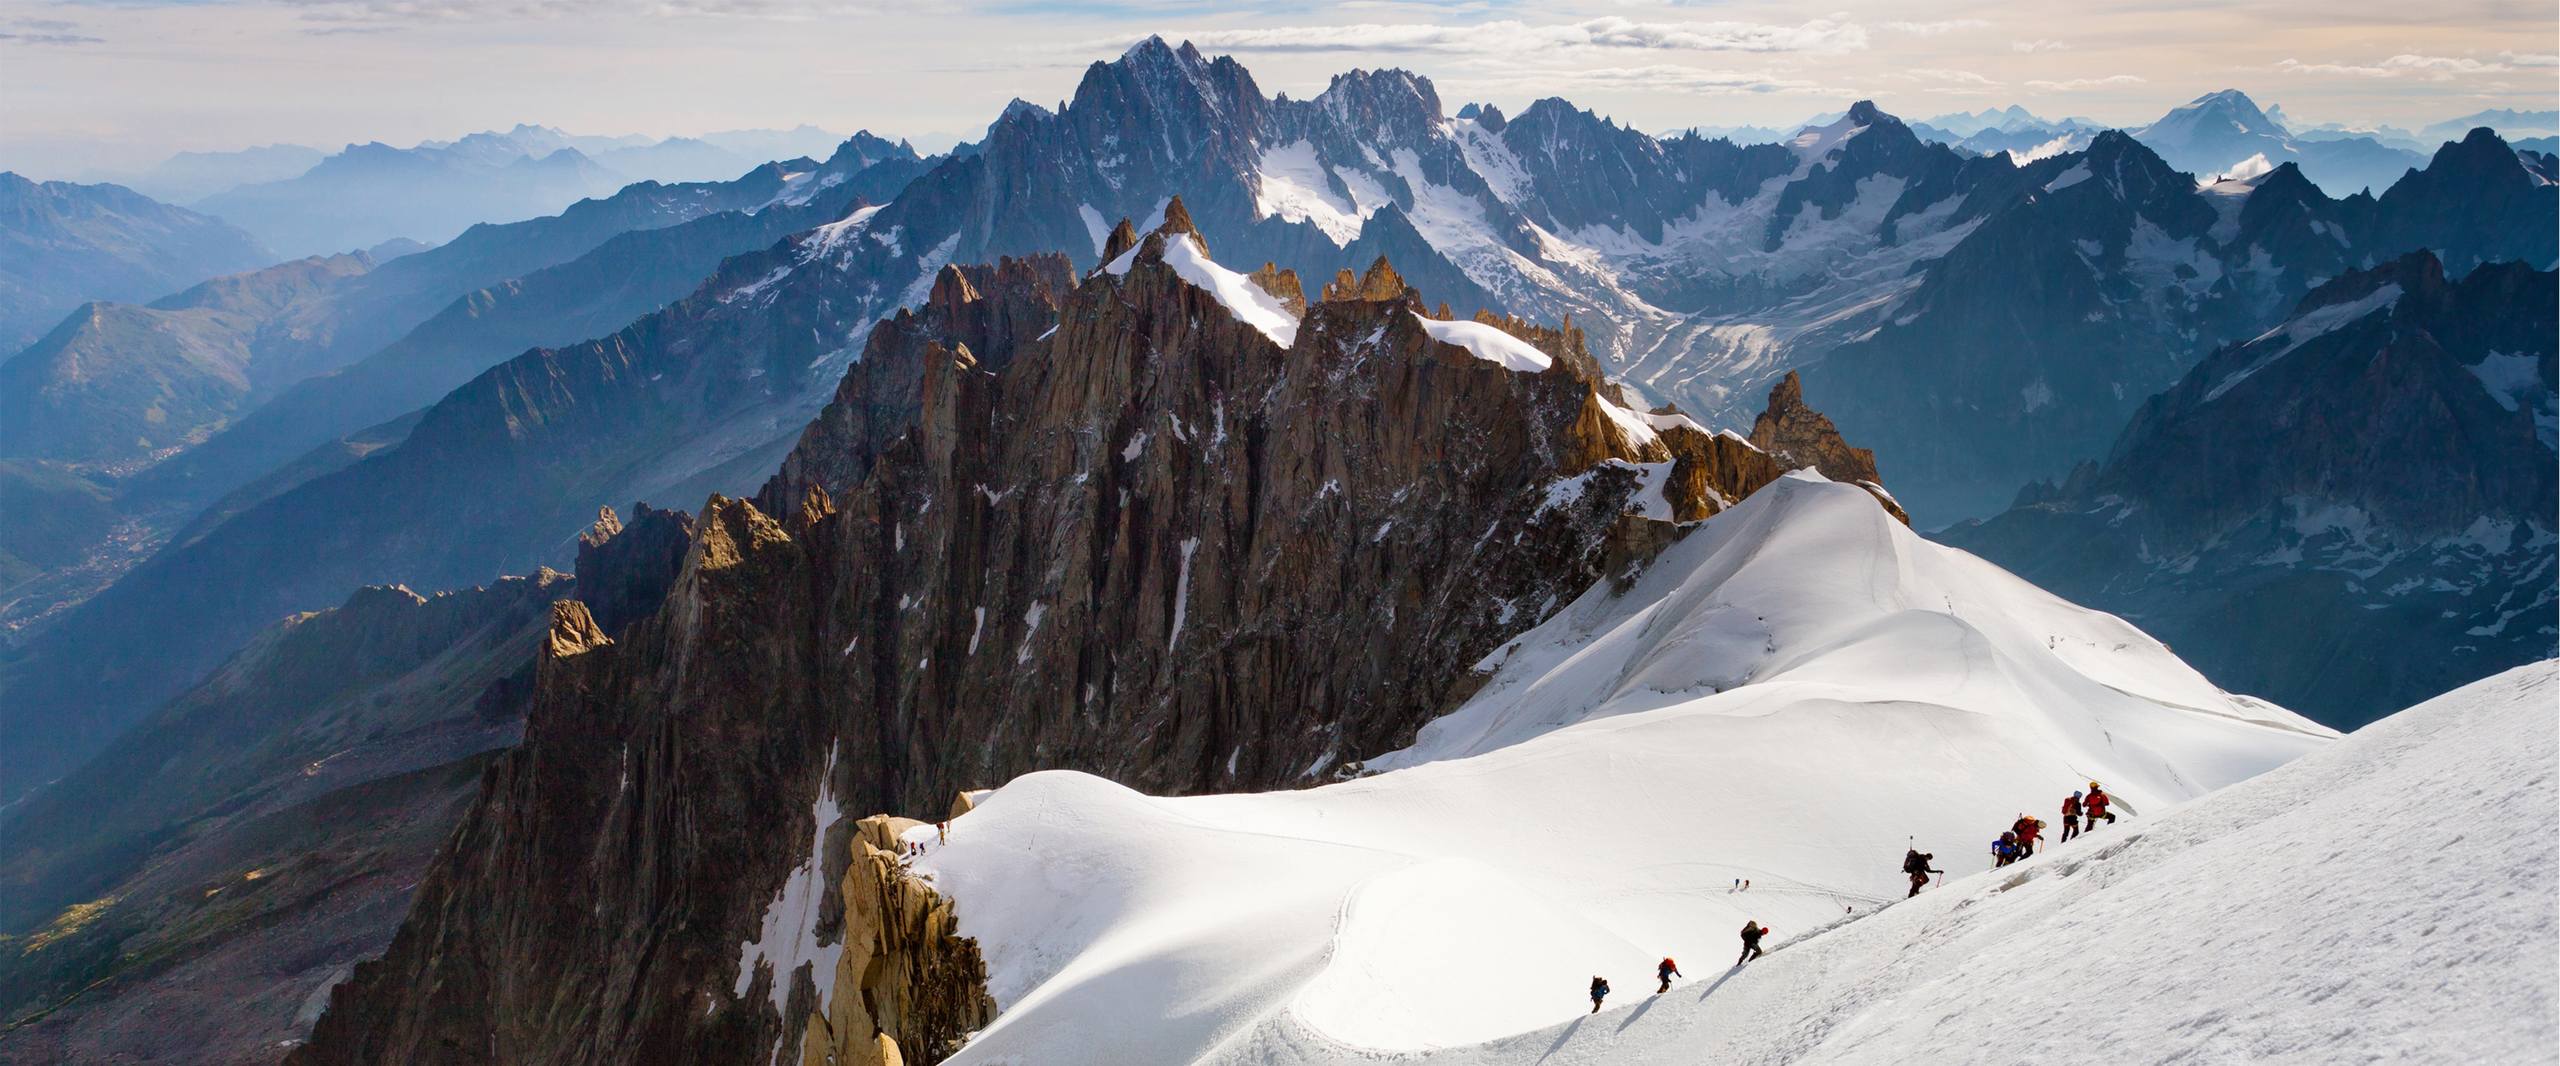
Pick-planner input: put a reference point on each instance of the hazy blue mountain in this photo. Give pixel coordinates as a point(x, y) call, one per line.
point(190, 176)
point(2346, 514)
point(63, 245)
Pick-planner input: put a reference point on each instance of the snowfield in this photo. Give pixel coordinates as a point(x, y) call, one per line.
point(2391, 898)
point(1785, 695)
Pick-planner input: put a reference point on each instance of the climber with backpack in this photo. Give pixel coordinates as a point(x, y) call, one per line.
point(2027, 827)
point(1752, 931)
point(2097, 804)
point(1915, 862)
point(1599, 991)
point(2070, 816)
point(2004, 850)
point(1666, 971)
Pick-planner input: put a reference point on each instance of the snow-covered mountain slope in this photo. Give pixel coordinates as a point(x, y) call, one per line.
point(1786, 695)
point(2340, 908)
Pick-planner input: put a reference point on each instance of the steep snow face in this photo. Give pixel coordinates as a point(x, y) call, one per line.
point(1781, 696)
point(2304, 328)
point(788, 938)
point(1294, 184)
point(2328, 911)
point(1487, 343)
point(1813, 144)
point(1236, 292)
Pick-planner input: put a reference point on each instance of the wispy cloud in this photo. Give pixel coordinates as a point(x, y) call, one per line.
point(1673, 78)
point(1932, 29)
point(45, 32)
point(1512, 38)
point(49, 38)
point(370, 12)
point(2425, 68)
point(2073, 85)
point(2040, 44)
point(1950, 82)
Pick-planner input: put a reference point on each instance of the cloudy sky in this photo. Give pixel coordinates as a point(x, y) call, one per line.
point(117, 83)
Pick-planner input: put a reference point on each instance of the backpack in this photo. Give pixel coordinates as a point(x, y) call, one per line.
point(1913, 862)
point(1667, 966)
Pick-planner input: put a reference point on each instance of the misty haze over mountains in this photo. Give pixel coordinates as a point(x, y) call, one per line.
point(462, 601)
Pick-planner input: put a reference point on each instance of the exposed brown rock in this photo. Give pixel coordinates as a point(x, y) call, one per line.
point(1282, 284)
point(1177, 219)
point(1344, 286)
point(908, 987)
point(573, 631)
point(1123, 237)
point(1801, 436)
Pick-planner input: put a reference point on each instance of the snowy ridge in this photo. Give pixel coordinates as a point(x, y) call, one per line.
point(1782, 695)
point(1236, 292)
point(1488, 343)
point(2314, 914)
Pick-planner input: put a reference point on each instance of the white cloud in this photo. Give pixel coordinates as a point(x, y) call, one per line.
point(2076, 84)
point(2425, 68)
point(1965, 78)
point(1509, 37)
point(1932, 29)
point(1672, 78)
point(2040, 44)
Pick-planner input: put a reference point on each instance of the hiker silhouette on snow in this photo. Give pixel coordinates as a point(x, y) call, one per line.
point(1599, 991)
point(2070, 817)
point(1915, 862)
point(1752, 931)
point(1666, 971)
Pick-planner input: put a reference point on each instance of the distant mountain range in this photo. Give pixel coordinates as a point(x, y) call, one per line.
point(370, 193)
point(1985, 324)
point(2215, 134)
point(383, 340)
point(62, 245)
point(2347, 513)
point(190, 176)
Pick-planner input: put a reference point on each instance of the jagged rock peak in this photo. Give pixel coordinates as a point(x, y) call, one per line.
point(951, 289)
point(1282, 284)
point(1123, 237)
point(1380, 283)
point(573, 632)
point(1866, 113)
point(816, 504)
point(1397, 102)
point(606, 528)
point(1177, 219)
point(1801, 436)
point(729, 531)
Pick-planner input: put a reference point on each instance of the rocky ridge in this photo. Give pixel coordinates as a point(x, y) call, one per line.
point(1157, 543)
